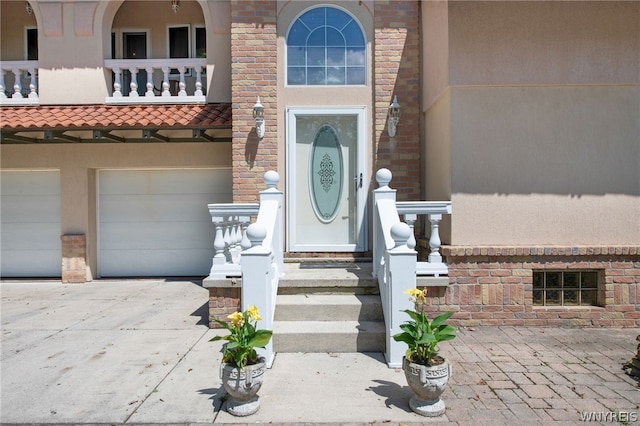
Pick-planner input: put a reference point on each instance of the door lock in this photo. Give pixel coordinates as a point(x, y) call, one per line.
point(358, 180)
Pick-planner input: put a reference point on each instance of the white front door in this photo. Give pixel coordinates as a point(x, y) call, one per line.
point(326, 187)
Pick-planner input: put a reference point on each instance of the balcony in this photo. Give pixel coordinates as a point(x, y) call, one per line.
point(18, 83)
point(157, 81)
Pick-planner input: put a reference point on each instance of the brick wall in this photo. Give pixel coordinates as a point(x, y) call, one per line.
point(253, 74)
point(494, 285)
point(74, 258)
point(222, 302)
point(397, 72)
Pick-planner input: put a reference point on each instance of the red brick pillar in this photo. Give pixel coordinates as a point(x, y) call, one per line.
point(253, 74)
point(397, 72)
point(74, 258)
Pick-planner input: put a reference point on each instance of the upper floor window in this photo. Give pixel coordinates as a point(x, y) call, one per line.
point(326, 46)
point(31, 44)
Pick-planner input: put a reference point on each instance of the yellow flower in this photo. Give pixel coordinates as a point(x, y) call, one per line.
point(237, 319)
point(416, 295)
point(252, 313)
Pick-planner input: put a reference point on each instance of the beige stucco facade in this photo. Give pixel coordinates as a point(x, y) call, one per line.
point(532, 120)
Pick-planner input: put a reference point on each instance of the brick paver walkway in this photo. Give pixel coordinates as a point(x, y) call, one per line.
point(513, 375)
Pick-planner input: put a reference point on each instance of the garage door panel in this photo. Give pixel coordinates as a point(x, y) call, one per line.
point(30, 236)
point(159, 208)
point(30, 182)
point(42, 264)
point(30, 223)
point(178, 181)
point(156, 222)
point(173, 262)
point(30, 209)
point(175, 235)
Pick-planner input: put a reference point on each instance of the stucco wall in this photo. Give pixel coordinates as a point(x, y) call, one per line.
point(544, 42)
point(543, 165)
point(540, 143)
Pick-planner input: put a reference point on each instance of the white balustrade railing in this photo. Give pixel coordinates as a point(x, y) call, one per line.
point(434, 211)
point(256, 254)
point(160, 71)
point(22, 78)
point(231, 222)
point(394, 258)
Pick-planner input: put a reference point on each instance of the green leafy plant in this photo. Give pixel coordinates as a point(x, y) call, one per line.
point(243, 337)
point(421, 335)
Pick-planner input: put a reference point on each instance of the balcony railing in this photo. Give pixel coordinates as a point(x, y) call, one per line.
point(157, 81)
point(19, 83)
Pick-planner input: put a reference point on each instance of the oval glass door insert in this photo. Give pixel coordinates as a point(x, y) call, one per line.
point(327, 174)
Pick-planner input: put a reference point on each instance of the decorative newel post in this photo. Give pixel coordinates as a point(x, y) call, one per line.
point(401, 276)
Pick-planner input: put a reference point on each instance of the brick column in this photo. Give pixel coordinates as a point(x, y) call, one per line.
point(397, 72)
point(74, 258)
point(253, 74)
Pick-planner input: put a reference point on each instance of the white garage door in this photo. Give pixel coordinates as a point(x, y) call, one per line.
point(30, 224)
point(156, 222)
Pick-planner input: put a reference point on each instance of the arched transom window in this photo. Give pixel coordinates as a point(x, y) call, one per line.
point(326, 46)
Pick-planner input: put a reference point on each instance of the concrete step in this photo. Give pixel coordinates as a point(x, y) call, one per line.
point(327, 278)
point(328, 307)
point(328, 336)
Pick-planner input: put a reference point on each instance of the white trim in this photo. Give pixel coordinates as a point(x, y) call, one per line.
point(120, 33)
point(361, 165)
point(194, 28)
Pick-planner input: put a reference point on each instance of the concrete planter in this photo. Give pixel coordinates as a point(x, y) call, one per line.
point(427, 384)
point(242, 385)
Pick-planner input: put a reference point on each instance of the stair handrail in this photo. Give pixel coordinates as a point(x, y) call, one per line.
point(262, 263)
point(394, 257)
point(394, 264)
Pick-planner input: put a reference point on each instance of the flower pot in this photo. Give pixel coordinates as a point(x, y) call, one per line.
point(427, 384)
point(242, 386)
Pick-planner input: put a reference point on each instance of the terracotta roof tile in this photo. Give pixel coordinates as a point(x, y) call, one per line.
point(115, 116)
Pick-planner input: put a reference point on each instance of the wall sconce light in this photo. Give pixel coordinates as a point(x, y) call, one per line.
point(394, 117)
point(258, 115)
point(175, 5)
point(27, 6)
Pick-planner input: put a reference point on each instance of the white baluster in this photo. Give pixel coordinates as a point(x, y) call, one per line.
point(17, 84)
point(2, 85)
point(219, 246)
point(165, 82)
point(434, 240)
point(181, 84)
point(117, 82)
point(410, 219)
point(133, 92)
point(227, 241)
point(149, 92)
point(198, 91)
point(236, 237)
point(33, 88)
